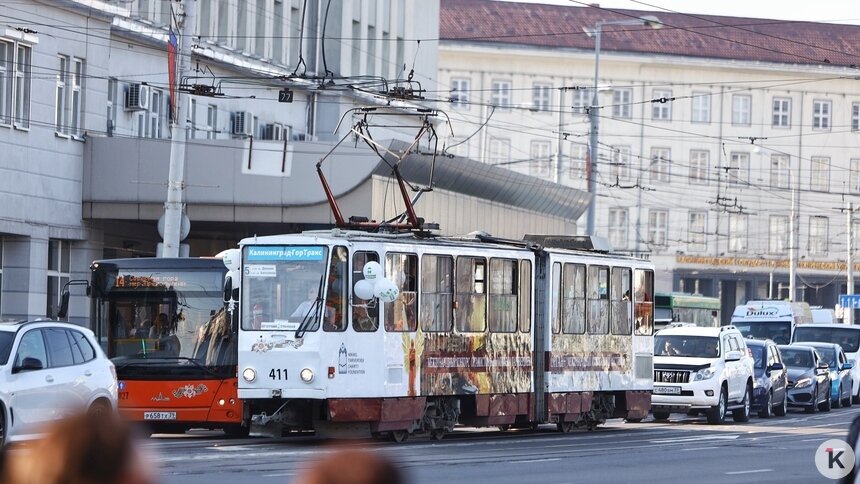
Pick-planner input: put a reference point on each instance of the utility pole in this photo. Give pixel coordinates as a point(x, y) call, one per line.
point(559, 152)
point(594, 120)
point(173, 212)
point(849, 312)
point(792, 243)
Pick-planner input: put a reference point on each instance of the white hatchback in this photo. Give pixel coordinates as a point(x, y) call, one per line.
point(48, 370)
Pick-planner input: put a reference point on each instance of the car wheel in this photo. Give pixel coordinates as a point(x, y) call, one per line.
point(782, 409)
point(717, 413)
point(767, 408)
point(743, 414)
point(846, 402)
point(99, 408)
point(826, 404)
point(2, 426)
point(837, 402)
point(813, 406)
point(661, 415)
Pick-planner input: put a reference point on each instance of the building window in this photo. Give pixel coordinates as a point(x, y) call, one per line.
point(701, 107)
point(622, 100)
point(698, 227)
point(111, 105)
point(619, 168)
point(278, 40)
point(460, 93)
point(60, 122)
point(581, 100)
point(818, 235)
point(69, 96)
point(578, 161)
point(821, 114)
point(500, 151)
point(211, 121)
point(699, 160)
point(660, 165)
point(661, 106)
point(59, 255)
point(854, 176)
point(20, 101)
point(778, 242)
point(191, 118)
point(6, 81)
point(781, 112)
point(819, 175)
point(156, 112)
point(741, 109)
point(500, 95)
point(541, 96)
point(658, 227)
point(618, 228)
point(780, 171)
point(540, 158)
point(739, 168)
point(855, 117)
point(737, 232)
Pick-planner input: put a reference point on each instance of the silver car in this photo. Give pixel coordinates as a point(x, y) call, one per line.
point(48, 370)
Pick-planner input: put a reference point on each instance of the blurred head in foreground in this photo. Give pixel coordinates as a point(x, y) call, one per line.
point(83, 449)
point(351, 466)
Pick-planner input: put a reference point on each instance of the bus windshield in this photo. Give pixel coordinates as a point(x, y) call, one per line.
point(778, 331)
point(847, 337)
point(282, 287)
point(156, 317)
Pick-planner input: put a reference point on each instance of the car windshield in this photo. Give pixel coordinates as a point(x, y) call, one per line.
point(759, 354)
point(828, 355)
point(778, 331)
point(686, 346)
point(797, 358)
point(6, 339)
point(848, 338)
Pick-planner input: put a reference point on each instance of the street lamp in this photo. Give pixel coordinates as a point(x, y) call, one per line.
point(595, 31)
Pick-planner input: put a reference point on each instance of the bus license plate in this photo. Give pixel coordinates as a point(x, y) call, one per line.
point(159, 415)
point(667, 390)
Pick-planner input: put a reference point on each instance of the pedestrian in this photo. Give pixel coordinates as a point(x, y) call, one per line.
point(351, 466)
point(82, 449)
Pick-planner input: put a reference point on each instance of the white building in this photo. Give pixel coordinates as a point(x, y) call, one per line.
point(705, 126)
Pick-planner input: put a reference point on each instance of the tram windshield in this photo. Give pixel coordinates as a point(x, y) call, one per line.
point(283, 288)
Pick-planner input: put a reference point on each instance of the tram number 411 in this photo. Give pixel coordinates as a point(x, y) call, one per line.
point(278, 374)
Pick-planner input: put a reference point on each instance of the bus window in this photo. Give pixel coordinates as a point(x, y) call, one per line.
point(471, 311)
point(573, 318)
point(525, 303)
point(503, 296)
point(364, 318)
point(402, 314)
point(598, 300)
point(621, 303)
point(437, 274)
point(643, 297)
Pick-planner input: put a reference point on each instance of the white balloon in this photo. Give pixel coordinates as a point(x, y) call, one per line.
point(363, 289)
point(386, 290)
point(232, 258)
point(372, 271)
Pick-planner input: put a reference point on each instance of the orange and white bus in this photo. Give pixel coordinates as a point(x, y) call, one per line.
point(162, 322)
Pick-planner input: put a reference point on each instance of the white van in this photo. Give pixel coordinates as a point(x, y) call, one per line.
point(825, 316)
point(845, 335)
point(773, 320)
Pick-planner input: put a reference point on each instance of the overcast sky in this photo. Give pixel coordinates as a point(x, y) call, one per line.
point(831, 11)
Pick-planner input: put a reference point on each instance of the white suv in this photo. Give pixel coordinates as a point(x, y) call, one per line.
point(48, 370)
point(705, 370)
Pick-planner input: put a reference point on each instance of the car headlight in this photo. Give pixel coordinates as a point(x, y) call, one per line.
point(249, 374)
point(704, 374)
point(803, 382)
point(307, 375)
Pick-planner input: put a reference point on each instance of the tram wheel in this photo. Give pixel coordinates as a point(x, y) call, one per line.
point(437, 434)
point(503, 427)
point(399, 435)
point(564, 427)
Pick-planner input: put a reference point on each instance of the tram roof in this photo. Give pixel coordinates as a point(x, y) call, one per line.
point(481, 180)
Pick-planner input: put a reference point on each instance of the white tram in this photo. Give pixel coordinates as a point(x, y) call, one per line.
point(475, 331)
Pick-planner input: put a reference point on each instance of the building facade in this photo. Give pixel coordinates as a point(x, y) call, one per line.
point(710, 130)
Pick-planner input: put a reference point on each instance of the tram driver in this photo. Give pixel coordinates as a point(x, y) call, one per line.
point(305, 307)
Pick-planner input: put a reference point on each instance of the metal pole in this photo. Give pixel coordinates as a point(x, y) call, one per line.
point(849, 312)
point(176, 175)
point(792, 244)
point(559, 152)
point(595, 123)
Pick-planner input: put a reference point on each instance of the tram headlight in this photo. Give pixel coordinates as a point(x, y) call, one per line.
point(307, 375)
point(249, 374)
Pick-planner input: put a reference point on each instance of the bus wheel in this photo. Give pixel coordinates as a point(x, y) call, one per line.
point(399, 435)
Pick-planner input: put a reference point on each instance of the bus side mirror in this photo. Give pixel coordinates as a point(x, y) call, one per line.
point(63, 310)
point(228, 288)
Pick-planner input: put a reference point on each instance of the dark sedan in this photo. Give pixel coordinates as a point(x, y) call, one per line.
point(809, 384)
point(770, 387)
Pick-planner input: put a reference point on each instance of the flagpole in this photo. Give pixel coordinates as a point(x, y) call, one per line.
point(182, 12)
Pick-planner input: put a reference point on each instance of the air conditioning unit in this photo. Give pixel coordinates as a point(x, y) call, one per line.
point(274, 132)
point(303, 137)
point(137, 97)
point(242, 123)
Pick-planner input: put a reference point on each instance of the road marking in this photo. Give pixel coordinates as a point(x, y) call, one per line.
point(755, 471)
point(693, 439)
point(282, 474)
point(698, 448)
point(526, 461)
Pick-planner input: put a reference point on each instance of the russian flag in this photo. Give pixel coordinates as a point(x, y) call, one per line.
point(172, 45)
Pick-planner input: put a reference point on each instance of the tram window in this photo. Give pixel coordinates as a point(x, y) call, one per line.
point(470, 313)
point(437, 275)
point(621, 303)
point(364, 318)
point(525, 303)
point(334, 316)
point(503, 296)
point(555, 293)
point(402, 314)
point(598, 300)
point(643, 297)
point(574, 299)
